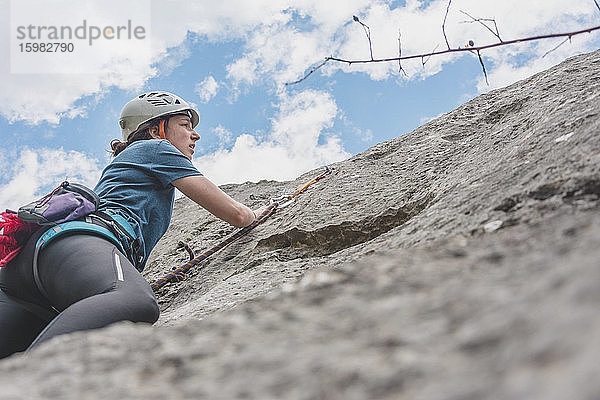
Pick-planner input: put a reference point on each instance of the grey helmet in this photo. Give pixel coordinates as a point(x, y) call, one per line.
point(151, 105)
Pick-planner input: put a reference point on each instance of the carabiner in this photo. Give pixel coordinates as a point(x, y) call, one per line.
point(324, 174)
point(287, 203)
point(282, 201)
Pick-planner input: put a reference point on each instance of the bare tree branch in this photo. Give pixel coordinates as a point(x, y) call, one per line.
point(470, 47)
point(456, 50)
point(444, 24)
point(481, 21)
point(460, 49)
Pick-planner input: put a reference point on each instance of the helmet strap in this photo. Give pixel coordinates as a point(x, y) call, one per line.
point(161, 128)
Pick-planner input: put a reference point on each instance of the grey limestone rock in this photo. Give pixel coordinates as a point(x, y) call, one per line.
point(458, 261)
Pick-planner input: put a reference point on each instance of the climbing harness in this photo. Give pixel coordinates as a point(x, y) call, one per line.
point(177, 274)
point(108, 225)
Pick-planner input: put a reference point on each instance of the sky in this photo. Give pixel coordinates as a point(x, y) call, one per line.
point(231, 60)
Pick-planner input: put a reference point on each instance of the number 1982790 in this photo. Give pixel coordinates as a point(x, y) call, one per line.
point(49, 47)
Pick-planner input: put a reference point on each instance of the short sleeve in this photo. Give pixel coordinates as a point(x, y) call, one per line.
point(169, 164)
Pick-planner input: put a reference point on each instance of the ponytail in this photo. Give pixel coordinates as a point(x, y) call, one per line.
point(143, 133)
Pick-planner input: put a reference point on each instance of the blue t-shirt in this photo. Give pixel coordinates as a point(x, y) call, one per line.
point(137, 185)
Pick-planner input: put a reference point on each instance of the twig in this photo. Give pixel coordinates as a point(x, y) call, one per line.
point(400, 69)
point(367, 32)
point(480, 20)
point(561, 43)
point(597, 5)
point(423, 61)
point(444, 23)
point(316, 67)
point(483, 66)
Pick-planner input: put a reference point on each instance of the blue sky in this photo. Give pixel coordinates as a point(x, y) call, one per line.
point(231, 60)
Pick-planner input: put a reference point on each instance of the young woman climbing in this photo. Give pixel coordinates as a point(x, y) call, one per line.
point(87, 280)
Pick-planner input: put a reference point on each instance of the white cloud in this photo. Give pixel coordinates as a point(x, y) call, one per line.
point(278, 53)
point(225, 136)
point(243, 70)
point(365, 135)
point(207, 89)
point(297, 142)
point(36, 171)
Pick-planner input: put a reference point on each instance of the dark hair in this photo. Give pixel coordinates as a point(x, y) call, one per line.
point(143, 133)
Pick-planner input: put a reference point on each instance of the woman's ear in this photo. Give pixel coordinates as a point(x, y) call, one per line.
point(153, 130)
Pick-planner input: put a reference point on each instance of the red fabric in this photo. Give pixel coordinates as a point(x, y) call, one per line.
point(13, 234)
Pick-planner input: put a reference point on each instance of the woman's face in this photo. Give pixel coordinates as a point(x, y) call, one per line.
point(181, 135)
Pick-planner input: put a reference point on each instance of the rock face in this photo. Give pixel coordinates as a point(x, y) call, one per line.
point(460, 261)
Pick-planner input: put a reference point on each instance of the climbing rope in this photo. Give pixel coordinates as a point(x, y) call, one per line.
point(177, 274)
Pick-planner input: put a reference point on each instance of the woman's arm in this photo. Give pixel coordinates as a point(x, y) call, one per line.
point(213, 199)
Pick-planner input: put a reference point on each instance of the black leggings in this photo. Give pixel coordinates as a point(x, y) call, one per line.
point(89, 284)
